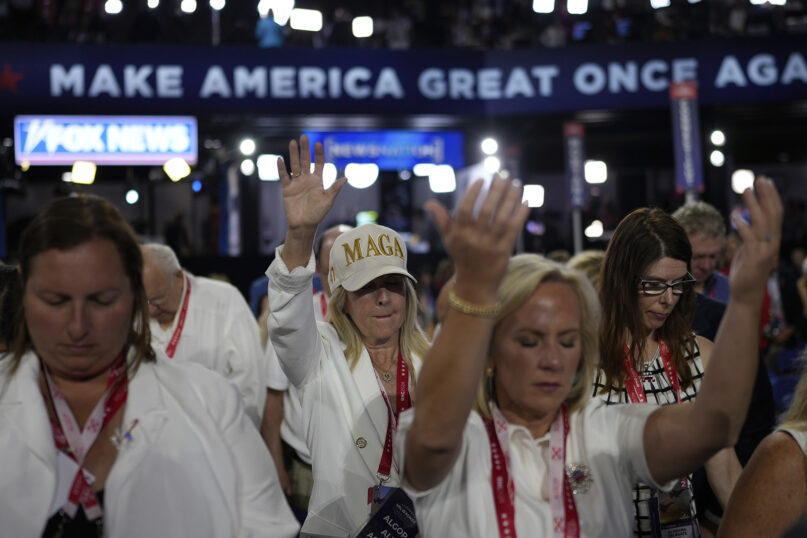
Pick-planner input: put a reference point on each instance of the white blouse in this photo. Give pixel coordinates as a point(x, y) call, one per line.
point(607, 440)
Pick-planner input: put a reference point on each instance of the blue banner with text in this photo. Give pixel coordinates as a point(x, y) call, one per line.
point(121, 79)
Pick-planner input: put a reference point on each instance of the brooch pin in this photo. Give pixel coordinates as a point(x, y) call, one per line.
point(122, 439)
point(579, 478)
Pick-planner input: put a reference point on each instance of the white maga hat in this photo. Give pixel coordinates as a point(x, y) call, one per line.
point(364, 254)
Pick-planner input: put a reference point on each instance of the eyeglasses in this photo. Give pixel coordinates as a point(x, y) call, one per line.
point(659, 287)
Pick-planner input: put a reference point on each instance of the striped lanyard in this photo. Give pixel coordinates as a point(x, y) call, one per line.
point(565, 521)
point(76, 442)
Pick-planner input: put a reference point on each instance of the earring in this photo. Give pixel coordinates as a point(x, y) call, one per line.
point(489, 371)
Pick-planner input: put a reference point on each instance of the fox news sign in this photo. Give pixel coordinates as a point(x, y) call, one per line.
point(121, 140)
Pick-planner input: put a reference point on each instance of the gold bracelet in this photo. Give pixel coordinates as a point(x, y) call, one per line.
point(474, 310)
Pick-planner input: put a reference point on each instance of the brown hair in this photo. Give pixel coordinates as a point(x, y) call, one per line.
point(67, 223)
point(642, 238)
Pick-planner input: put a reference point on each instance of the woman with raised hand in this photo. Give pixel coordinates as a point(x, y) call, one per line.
point(536, 456)
point(356, 373)
point(100, 437)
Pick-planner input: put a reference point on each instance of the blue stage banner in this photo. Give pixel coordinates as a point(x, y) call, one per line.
point(574, 150)
point(686, 136)
point(124, 140)
point(123, 79)
point(390, 150)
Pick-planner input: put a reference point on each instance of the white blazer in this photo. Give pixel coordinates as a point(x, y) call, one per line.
point(221, 333)
point(195, 467)
point(345, 416)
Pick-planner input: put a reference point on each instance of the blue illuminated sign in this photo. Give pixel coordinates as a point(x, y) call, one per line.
point(390, 150)
point(123, 140)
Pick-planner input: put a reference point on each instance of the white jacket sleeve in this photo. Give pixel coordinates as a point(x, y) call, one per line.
point(292, 325)
point(262, 504)
point(245, 360)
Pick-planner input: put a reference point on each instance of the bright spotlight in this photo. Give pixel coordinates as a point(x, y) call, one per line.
point(362, 27)
point(595, 172)
point(741, 180)
point(309, 20)
point(328, 175)
point(577, 7)
point(281, 10)
point(113, 7)
point(442, 179)
point(218, 5)
point(492, 164)
point(188, 6)
point(267, 167)
point(489, 146)
point(153, 4)
point(83, 172)
point(176, 169)
point(67, 177)
point(717, 137)
point(594, 230)
point(247, 146)
point(247, 167)
point(543, 6)
point(422, 169)
point(534, 195)
point(405, 175)
point(717, 158)
point(658, 4)
point(132, 196)
point(361, 176)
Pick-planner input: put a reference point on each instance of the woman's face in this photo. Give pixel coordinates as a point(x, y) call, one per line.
point(535, 353)
point(378, 309)
point(655, 309)
point(78, 308)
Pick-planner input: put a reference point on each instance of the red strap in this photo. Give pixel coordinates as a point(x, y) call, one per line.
point(76, 444)
point(323, 304)
point(565, 520)
point(633, 383)
point(404, 402)
point(174, 342)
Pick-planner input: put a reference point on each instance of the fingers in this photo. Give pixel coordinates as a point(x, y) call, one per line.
point(441, 217)
point(497, 192)
point(466, 206)
point(281, 172)
point(336, 188)
point(305, 155)
point(319, 159)
point(294, 158)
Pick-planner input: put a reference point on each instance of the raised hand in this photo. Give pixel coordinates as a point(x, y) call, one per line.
point(759, 253)
point(481, 245)
point(304, 198)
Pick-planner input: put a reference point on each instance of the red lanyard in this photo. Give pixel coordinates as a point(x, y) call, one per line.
point(633, 383)
point(323, 304)
point(174, 342)
point(404, 402)
point(76, 443)
point(565, 521)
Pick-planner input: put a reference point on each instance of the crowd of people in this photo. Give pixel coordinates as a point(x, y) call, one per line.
point(618, 393)
point(489, 24)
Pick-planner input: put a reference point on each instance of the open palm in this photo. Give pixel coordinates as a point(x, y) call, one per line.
point(304, 198)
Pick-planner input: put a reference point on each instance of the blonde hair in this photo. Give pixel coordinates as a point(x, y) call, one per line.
point(795, 417)
point(590, 263)
point(411, 338)
point(524, 274)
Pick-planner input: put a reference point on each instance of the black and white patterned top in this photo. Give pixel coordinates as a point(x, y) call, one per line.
point(660, 391)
